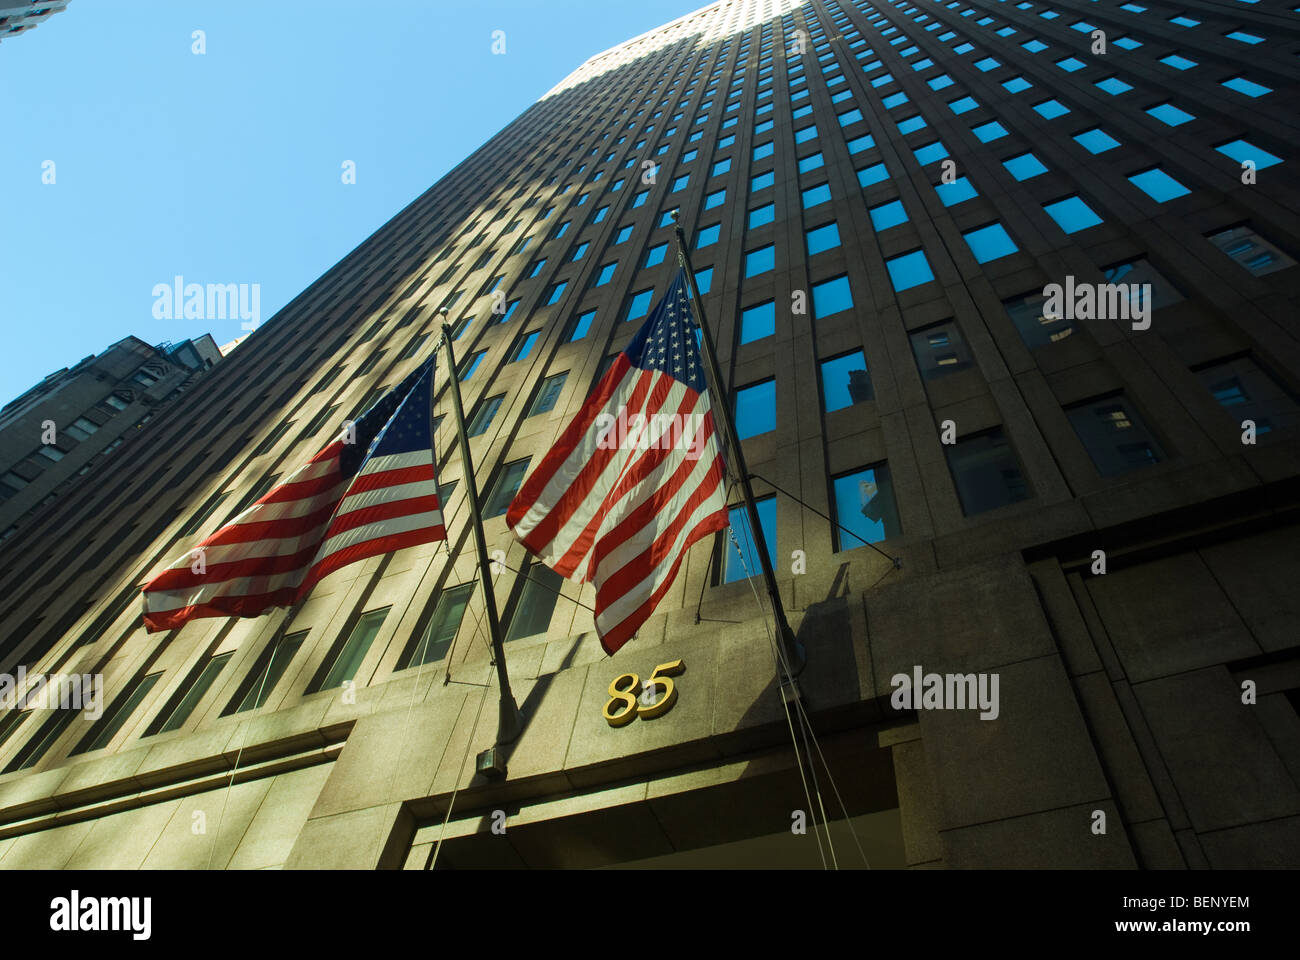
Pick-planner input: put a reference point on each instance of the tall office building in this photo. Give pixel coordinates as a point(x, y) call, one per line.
point(1092, 496)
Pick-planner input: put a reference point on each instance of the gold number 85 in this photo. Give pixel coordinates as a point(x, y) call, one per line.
point(624, 693)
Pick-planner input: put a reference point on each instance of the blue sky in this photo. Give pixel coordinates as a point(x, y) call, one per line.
point(225, 167)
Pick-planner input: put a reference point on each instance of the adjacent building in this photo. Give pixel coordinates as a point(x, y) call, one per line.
point(1004, 292)
point(17, 16)
point(63, 429)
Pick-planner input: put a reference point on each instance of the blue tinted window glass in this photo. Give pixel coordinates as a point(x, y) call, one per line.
point(811, 162)
point(761, 215)
point(1241, 151)
point(760, 261)
point(990, 131)
point(756, 409)
point(1095, 140)
point(888, 215)
point(990, 243)
point(911, 124)
point(962, 105)
point(909, 270)
point(1177, 62)
point(1248, 87)
point(639, 305)
point(930, 153)
point(822, 238)
point(1158, 185)
point(762, 181)
point(581, 325)
point(872, 174)
point(816, 195)
point(859, 144)
point(1070, 64)
point(708, 236)
point(735, 569)
point(831, 296)
point(1168, 113)
point(1072, 214)
point(845, 381)
point(1024, 166)
point(757, 322)
point(956, 192)
point(1113, 85)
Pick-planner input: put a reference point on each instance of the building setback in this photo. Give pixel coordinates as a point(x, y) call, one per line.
point(877, 197)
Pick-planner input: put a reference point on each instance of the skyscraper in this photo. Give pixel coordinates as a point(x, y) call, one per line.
point(1002, 292)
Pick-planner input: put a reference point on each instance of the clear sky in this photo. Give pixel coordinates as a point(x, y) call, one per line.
point(226, 167)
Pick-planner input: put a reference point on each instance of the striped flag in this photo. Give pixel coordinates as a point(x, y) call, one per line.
point(352, 500)
point(635, 479)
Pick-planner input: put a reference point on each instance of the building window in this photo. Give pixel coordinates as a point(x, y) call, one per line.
point(991, 242)
point(988, 132)
point(639, 305)
point(1138, 273)
point(1158, 185)
point(487, 409)
point(469, 366)
point(1072, 214)
point(655, 255)
point(845, 381)
point(581, 324)
point(1251, 250)
point(831, 296)
point(1096, 140)
point(523, 346)
point(106, 728)
point(503, 491)
point(958, 191)
point(532, 614)
point(940, 350)
point(547, 395)
point(200, 685)
point(1036, 329)
point(81, 428)
point(986, 472)
point(909, 270)
point(760, 261)
point(873, 174)
point(814, 196)
point(820, 239)
point(1026, 166)
point(353, 652)
point(274, 662)
point(1248, 392)
point(756, 409)
point(708, 236)
point(443, 625)
point(762, 215)
point(758, 321)
point(1114, 435)
point(1051, 109)
point(1168, 114)
point(733, 568)
point(1247, 87)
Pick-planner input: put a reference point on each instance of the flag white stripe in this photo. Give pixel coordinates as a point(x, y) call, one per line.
point(373, 531)
point(372, 498)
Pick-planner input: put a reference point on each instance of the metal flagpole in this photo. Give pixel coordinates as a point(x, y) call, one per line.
point(722, 410)
point(509, 722)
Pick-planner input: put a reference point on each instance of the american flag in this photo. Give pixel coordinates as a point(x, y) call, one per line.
point(352, 500)
point(635, 479)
